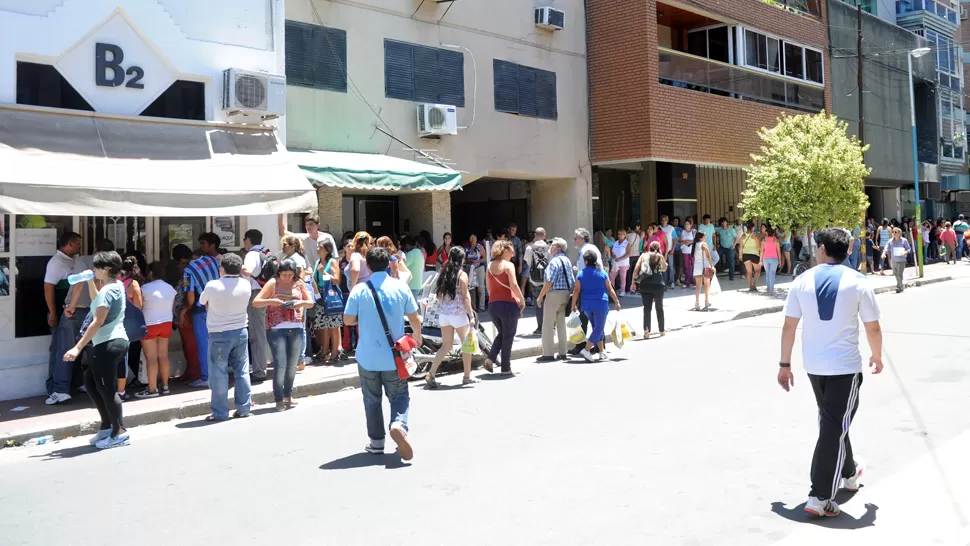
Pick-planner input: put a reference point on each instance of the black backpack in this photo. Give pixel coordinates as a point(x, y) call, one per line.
point(269, 269)
point(540, 259)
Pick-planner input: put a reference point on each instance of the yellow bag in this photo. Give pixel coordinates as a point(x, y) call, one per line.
point(470, 345)
point(626, 332)
point(576, 335)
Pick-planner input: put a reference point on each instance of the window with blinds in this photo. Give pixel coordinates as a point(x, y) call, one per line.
point(423, 74)
point(524, 90)
point(316, 56)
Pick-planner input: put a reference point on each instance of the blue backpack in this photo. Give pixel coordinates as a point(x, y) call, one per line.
point(330, 297)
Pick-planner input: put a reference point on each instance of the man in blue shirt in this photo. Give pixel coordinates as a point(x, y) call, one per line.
point(375, 361)
point(727, 239)
point(197, 274)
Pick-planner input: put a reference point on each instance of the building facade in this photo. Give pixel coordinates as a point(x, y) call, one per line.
point(679, 90)
point(113, 125)
point(360, 72)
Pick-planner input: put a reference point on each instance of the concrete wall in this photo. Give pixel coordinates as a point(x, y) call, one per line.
point(498, 144)
point(426, 211)
point(561, 206)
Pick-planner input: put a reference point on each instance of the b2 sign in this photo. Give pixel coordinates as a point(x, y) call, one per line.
point(108, 58)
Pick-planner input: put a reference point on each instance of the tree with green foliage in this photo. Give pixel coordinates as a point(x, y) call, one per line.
point(809, 174)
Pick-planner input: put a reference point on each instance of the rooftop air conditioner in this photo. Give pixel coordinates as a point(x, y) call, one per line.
point(437, 120)
point(550, 18)
point(253, 93)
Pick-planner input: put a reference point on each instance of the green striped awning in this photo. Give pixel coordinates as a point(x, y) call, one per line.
point(372, 172)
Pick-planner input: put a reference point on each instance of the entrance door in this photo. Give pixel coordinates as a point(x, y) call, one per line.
point(377, 216)
point(127, 233)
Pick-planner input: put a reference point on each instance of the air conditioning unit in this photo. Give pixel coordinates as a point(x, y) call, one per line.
point(437, 119)
point(550, 18)
point(253, 93)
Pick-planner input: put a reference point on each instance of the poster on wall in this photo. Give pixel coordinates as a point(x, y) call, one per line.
point(227, 228)
point(36, 242)
point(4, 233)
point(180, 234)
point(4, 277)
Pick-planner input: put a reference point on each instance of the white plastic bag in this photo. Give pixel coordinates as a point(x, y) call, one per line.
point(715, 286)
point(573, 320)
point(617, 334)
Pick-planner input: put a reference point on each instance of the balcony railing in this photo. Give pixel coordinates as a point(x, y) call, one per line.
point(940, 9)
point(691, 72)
point(811, 7)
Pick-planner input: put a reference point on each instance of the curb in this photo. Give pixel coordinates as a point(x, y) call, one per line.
point(334, 384)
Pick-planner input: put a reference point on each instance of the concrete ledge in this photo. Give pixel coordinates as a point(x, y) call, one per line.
point(200, 407)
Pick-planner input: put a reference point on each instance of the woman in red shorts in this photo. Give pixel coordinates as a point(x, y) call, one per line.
point(158, 296)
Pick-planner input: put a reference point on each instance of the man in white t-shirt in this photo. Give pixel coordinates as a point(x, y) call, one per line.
point(227, 302)
point(669, 230)
point(64, 328)
point(538, 247)
point(829, 300)
point(259, 354)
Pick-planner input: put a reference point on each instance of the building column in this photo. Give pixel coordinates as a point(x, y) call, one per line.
point(561, 205)
point(429, 210)
point(331, 210)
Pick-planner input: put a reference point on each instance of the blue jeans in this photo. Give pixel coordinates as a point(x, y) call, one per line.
point(63, 338)
point(229, 349)
point(201, 331)
point(597, 320)
point(728, 255)
point(396, 389)
point(669, 276)
point(284, 344)
point(771, 269)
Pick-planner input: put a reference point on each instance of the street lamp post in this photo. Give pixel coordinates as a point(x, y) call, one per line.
point(917, 53)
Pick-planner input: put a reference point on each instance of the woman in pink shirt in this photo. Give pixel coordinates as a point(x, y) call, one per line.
point(770, 252)
point(949, 239)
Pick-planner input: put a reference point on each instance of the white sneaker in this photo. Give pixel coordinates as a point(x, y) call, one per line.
point(101, 435)
point(371, 447)
point(118, 441)
point(57, 398)
point(587, 355)
point(604, 356)
point(855, 482)
point(400, 437)
point(821, 507)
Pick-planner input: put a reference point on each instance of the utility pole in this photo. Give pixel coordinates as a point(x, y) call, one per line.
point(862, 131)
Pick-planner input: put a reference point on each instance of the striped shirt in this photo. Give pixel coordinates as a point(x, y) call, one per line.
point(197, 274)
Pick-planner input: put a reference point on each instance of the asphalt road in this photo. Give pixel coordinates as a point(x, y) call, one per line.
point(682, 440)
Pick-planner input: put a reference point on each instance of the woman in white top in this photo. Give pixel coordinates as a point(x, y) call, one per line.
point(621, 261)
point(701, 263)
point(687, 249)
point(158, 297)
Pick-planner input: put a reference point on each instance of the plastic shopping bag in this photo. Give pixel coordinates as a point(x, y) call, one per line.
point(573, 320)
point(715, 286)
point(627, 331)
point(617, 336)
point(576, 335)
point(612, 319)
point(470, 345)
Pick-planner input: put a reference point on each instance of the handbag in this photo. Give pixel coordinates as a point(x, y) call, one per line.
point(135, 326)
point(432, 314)
point(402, 349)
point(330, 297)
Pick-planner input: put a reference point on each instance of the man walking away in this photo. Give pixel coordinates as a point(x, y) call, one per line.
point(227, 302)
point(197, 274)
point(670, 232)
point(960, 226)
point(553, 299)
point(830, 299)
point(536, 260)
point(259, 355)
point(64, 326)
point(375, 359)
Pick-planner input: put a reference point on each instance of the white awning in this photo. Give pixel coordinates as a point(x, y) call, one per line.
point(85, 164)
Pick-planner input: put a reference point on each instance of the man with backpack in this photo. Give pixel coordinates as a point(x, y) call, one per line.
point(259, 267)
point(536, 259)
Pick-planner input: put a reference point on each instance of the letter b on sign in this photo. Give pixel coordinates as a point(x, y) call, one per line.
point(102, 65)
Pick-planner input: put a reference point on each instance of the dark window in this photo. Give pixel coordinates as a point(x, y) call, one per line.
point(813, 66)
point(718, 48)
point(423, 74)
point(316, 56)
point(43, 85)
point(525, 90)
point(793, 61)
point(697, 43)
point(182, 100)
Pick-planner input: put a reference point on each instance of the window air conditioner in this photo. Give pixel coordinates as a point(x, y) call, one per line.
point(437, 120)
point(550, 18)
point(253, 93)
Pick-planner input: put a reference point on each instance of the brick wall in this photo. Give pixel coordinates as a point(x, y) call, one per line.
point(331, 209)
point(429, 210)
point(633, 116)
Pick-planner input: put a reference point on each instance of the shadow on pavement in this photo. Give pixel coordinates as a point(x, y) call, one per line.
point(842, 521)
point(362, 460)
point(67, 453)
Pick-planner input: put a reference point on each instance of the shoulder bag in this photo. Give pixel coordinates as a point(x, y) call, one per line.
point(402, 348)
point(330, 297)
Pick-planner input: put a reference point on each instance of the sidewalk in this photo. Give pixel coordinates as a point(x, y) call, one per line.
point(78, 417)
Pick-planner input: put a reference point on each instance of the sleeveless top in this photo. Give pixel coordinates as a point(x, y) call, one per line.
point(749, 244)
point(498, 289)
point(883, 236)
point(289, 318)
point(770, 250)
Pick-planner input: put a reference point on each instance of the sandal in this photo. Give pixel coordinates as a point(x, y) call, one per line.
point(470, 380)
point(430, 382)
point(489, 365)
point(213, 419)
